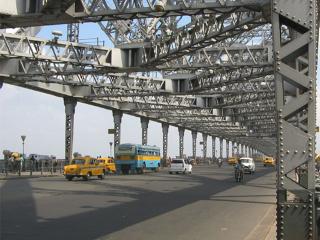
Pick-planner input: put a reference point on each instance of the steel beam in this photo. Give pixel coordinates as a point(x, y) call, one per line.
point(221, 147)
point(227, 148)
point(204, 139)
point(165, 130)
point(181, 141)
point(70, 105)
point(107, 10)
point(194, 144)
point(189, 40)
point(214, 156)
point(295, 35)
point(144, 127)
point(117, 117)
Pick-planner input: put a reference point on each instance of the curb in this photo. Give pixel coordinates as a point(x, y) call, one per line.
point(25, 177)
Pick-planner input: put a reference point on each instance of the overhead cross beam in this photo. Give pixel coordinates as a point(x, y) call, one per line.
point(53, 12)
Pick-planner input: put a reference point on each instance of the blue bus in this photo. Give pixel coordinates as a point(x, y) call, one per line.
point(135, 158)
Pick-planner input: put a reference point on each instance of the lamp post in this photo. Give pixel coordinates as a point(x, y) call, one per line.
point(23, 138)
point(110, 143)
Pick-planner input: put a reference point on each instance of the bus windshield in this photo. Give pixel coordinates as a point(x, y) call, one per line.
point(78, 161)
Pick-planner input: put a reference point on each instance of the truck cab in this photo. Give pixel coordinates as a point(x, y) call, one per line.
point(180, 165)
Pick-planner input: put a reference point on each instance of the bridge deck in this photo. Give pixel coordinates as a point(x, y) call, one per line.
point(208, 204)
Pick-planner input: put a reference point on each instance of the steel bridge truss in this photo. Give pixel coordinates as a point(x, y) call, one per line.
point(239, 70)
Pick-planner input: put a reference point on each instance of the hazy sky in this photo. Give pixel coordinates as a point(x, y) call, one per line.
point(41, 118)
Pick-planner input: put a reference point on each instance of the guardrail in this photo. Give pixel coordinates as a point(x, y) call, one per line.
point(36, 167)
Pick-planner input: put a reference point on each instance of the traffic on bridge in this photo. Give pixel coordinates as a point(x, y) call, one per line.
point(238, 74)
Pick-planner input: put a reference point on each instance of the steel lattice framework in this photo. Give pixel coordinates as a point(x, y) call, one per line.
point(239, 70)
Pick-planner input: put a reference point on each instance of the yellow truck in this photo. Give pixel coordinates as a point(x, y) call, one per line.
point(108, 164)
point(269, 161)
point(85, 168)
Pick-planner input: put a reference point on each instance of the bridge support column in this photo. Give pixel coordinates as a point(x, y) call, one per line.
point(227, 148)
point(165, 130)
point(232, 148)
point(194, 144)
point(117, 117)
point(70, 106)
point(181, 141)
point(238, 148)
point(213, 147)
point(204, 139)
point(221, 147)
point(144, 126)
point(295, 65)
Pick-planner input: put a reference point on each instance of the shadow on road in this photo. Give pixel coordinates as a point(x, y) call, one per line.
point(20, 220)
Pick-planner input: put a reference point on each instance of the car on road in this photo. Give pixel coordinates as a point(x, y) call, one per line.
point(179, 165)
point(83, 167)
point(269, 161)
point(233, 160)
point(108, 164)
point(248, 165)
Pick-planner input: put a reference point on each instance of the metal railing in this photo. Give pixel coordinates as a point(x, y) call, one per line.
point(29, 167)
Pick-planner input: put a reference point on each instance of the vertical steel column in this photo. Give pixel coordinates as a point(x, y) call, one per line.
point(294, 28)
point(73, 32)
point(204, 139)
point(117, 117)
point(194, 144)
point(238, 148)
point(165, 130)
point(70, 106)
point(181, 142)
point(213, 147)
point(232, 148)
point(144, 126)
point(227, 148)
point(221, 146)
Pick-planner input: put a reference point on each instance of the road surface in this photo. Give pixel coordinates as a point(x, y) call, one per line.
point(205, 205)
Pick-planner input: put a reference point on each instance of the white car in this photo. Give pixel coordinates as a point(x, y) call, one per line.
point(248, 164)
point(179, 165)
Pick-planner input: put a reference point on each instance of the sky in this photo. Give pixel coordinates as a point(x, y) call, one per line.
point(41, 118)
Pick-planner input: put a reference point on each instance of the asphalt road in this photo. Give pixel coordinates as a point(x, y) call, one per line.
point(207, 205)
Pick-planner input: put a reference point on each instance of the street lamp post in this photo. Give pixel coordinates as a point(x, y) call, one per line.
point(23, 138)
point(110, 143)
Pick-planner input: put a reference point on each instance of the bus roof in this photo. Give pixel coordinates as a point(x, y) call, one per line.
point(140, 146)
